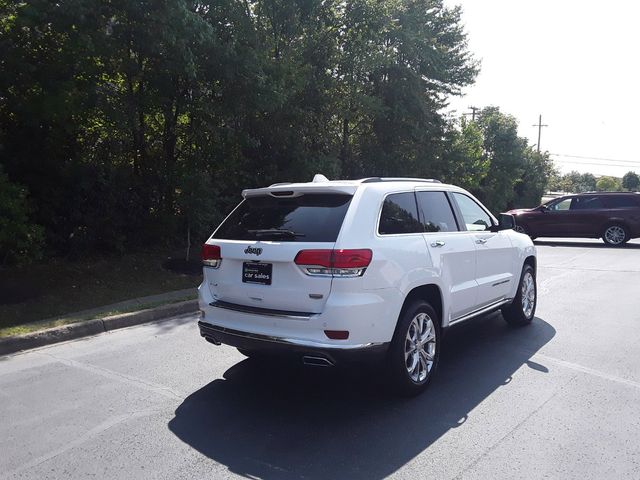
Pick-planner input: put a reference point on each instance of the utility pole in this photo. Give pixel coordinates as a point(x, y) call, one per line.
point(539, 125)
point(473, 113)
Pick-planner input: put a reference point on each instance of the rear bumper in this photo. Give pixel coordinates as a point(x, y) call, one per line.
point(335, 353)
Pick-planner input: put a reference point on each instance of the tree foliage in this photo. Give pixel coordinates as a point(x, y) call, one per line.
point(133, 121)
point(631, 181)
point(573, 182)
point(489, 158)
point(20, 238)
point(608, 184)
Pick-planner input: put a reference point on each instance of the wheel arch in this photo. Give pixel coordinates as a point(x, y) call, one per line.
point(430, 293)
point(615, 221)
point(533, 262)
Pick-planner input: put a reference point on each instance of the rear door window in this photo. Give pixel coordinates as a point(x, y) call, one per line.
point(399, 215)
point(306, 218)
point(586, 203)
point(435, 212)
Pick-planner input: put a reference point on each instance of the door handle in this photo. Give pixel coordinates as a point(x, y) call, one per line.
point(481, 241)
point(437, 243)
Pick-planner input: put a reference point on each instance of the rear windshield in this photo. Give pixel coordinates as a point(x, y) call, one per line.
point(307, 218)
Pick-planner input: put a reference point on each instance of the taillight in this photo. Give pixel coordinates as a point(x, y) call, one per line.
point(334, 263)
point(211, 255)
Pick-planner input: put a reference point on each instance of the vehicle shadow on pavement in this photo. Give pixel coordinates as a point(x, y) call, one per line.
point(278, 420)
point(553, 243)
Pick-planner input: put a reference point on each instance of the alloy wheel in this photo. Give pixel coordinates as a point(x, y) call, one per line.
point(420, 347)
point(528, 294)
point(615, 235)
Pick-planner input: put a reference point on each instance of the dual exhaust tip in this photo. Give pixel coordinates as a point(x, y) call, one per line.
point(310, 360)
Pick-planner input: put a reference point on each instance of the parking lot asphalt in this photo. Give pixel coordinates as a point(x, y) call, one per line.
point(557, 399)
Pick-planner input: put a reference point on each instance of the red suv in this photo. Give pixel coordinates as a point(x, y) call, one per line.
point(612, 216)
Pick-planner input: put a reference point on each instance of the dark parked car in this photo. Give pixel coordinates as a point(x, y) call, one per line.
point(612, 216)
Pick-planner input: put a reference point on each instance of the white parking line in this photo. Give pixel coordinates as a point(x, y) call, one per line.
point(587, 370)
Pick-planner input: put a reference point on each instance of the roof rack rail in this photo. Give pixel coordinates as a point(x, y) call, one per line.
point(596, 192)
point(399, 179)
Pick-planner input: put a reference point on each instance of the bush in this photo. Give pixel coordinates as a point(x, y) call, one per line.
point(20, 239)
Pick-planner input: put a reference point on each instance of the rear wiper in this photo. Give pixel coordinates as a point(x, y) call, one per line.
point(275, 232)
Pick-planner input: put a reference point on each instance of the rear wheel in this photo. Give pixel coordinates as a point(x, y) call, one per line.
point(415, 348)
point(615, 235)
point(523, 308)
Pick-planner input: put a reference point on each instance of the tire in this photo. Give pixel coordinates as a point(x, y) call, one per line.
point(615, 235)
point(413, 360)
point(522, 309)
point(521, 229)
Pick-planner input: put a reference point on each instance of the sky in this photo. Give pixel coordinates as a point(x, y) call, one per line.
point(577, 63)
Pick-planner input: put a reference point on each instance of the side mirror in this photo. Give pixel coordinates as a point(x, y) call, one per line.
point(506, 221)
point(542, 208)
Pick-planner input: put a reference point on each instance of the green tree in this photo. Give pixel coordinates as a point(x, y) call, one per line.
point(608, 184)
point(531, 186)
point(587, 183)
point(631, 181)
point(506, 152)
point(130, 121)
point(465, 162)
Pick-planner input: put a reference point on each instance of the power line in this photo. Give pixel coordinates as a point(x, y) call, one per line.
point(627, 165)
point(594, 158)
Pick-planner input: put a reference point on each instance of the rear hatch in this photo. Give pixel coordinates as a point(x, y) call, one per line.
point(259, 242)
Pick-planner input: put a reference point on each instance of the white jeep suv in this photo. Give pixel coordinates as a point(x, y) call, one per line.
point(344, 270)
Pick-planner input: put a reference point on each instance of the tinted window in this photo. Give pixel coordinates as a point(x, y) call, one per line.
point(586, 203)
point(435, 212)
point(307, 218)
point(622, 201)
point(399, 214)
point(475, 218)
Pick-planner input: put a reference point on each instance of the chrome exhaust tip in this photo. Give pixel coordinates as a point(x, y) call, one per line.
point(212, 340)
point(317, 361)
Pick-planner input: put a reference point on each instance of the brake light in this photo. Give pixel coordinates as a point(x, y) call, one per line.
point(211, 255)
point(352, 258)
point(319, 258)
point(334, 263)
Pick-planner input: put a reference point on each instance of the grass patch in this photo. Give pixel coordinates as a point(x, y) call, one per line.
point(56, 290)
point(67, 320)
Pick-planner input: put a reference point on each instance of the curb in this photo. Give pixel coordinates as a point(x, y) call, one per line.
point(88, 328)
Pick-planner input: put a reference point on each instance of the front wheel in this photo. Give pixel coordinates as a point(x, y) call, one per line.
point(521, 229)
point(523, 308)
point(415, 348)
point(615, 235)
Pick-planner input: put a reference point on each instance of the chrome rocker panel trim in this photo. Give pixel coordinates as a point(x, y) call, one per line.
point(489, 308)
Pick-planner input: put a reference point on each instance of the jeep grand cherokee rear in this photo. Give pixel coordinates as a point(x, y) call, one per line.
point(270, 271)
point(332, 271)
